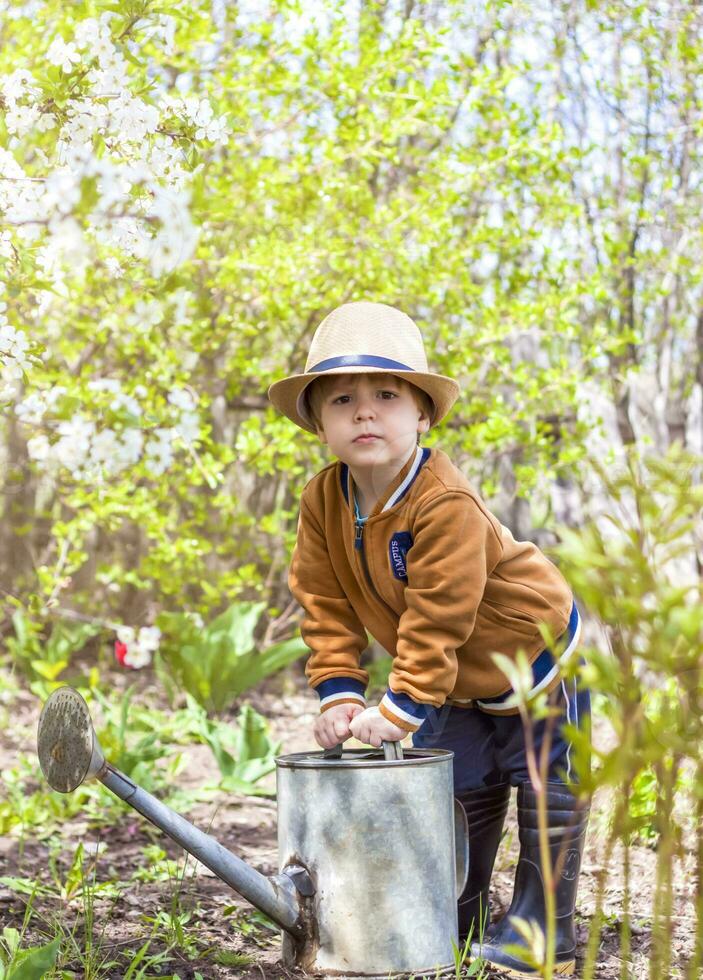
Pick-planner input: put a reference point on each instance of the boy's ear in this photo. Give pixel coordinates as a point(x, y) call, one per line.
point(321, 433)
point(423, 423)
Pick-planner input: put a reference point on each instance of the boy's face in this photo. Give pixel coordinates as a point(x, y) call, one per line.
point(370, 420)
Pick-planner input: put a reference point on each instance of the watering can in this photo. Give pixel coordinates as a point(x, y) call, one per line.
point(373, 848)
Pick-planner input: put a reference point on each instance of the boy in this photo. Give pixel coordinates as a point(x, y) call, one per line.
point(392, 538)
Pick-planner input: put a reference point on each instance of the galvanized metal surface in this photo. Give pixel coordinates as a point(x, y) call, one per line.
point(461, 846)
point(378, 839)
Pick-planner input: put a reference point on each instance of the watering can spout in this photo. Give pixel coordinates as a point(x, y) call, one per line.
point(69, 753)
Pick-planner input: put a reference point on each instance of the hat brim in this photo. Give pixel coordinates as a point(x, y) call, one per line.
point(287, 395)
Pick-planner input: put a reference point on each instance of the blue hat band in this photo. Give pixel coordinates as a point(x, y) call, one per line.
point(359, 360)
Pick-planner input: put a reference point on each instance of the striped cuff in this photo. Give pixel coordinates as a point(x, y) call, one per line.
point(401, 710)
point(341, 690)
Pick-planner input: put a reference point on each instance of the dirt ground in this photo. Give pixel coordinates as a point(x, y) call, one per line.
point(222, 922)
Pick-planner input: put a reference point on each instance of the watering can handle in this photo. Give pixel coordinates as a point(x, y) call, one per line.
point(391, 750)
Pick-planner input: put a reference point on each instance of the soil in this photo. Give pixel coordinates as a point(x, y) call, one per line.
point(222, 924)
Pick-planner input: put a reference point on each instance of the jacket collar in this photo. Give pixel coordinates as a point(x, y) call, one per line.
point(398, 488)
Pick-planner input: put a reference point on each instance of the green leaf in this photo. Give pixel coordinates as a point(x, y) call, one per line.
point(36, 963)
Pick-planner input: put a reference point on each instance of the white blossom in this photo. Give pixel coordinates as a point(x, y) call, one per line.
point(9, 167)
point(69, 242)
point(188, 426)
point(130, 448)
point(149, 637)
point(106, 83)
point(102, 449)
point(216, 130)
point(18, 85)
point(140, 646)
point(6, 244)
point(39, 448)
point(136, 657)
point(10, 380)
point(113, 266)
point(125, 634)
point(62, 190)
point(21, 119)
point(45, 122)
point(146, 314)
point(73, 446)
point(86, 32)
point(159, 451)
point(165, 253)
point(84, 122)
point(105, 384)
point(63, 54)
point(181, 398)
point(32, 408)
point(13, 342)
point(133, 118)
point(102, 47)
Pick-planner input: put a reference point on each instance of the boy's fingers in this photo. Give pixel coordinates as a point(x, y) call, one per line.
point(340, 727)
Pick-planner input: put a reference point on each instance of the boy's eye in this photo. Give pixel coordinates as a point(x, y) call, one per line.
point(387, 395)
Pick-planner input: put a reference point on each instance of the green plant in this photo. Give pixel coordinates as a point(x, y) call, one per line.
point(43, 660)
point(633, 569)
point(30, 963)
point(464, 965)
point(253, 924)
point(131, 740)
point(170, 925)
point(244, 752)
point(38, 812)
point(157, 866)
point(218, 661)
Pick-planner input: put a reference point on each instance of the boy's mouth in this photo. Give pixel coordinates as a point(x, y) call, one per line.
point(366, 437)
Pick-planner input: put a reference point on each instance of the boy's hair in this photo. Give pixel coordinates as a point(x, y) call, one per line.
point(315, 393)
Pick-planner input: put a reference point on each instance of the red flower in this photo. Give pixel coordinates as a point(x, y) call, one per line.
point(121, 653)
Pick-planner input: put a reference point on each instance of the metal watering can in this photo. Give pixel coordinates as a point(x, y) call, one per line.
point(373, 848)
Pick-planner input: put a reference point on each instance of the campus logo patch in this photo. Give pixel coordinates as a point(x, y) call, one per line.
point(400, 544)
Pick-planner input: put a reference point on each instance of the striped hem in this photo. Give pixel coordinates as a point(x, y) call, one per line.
point(401, 710)
point(545, 671)
point(340, 690)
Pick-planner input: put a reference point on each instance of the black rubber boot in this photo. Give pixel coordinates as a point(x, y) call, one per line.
point(567, 831)
point(485, 811)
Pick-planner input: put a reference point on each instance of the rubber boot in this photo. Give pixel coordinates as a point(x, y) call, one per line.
point(485, 811)
point(566, 823)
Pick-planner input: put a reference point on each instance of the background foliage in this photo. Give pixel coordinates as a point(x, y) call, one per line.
point(185, 198)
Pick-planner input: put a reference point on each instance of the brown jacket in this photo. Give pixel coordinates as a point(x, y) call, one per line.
point(437, 581)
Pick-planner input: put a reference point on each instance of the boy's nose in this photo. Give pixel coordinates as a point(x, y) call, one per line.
point(364, 409)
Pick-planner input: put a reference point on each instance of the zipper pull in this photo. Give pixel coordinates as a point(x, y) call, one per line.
point(359, 532)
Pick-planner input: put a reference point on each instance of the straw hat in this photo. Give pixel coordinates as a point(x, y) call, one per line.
point(364, 338)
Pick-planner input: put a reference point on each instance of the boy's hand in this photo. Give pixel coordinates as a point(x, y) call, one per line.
point(332, 726)
point(371, 727)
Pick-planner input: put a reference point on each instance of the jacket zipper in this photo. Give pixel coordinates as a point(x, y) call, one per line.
point(359, 546)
